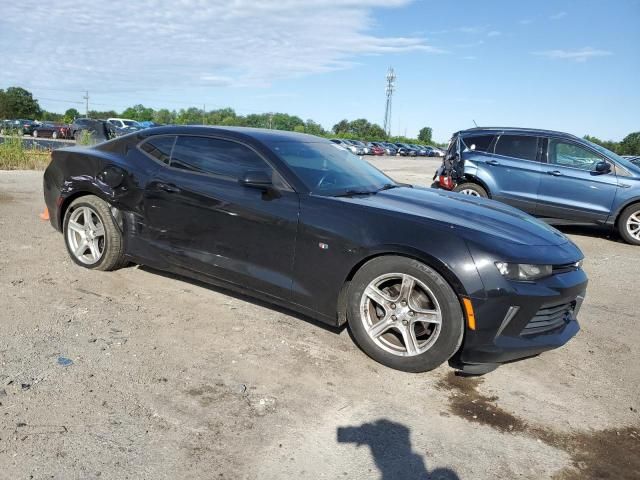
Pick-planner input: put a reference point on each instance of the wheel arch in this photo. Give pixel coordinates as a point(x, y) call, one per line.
point(432, 262)
point(623, 207)
point(474, 179)
point(68, 200)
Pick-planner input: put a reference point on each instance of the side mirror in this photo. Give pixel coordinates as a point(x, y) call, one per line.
point(256, 179)
point(603, 168)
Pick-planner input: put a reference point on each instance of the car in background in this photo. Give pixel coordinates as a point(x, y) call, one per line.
point(345, 144)
point(406, 150)
point(362, 148)
point(19, 126)
point(421, 151)
point(96, 130)
point(375, 149)
point(420, 277)
point(549, 174)
point(149, 124)
point(52, 130)
point(124, 123)
point(437, 152)
point(389, 148)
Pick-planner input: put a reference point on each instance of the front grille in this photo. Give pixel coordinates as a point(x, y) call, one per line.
point(549, 317)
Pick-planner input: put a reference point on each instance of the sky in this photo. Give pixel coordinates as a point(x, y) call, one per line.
point(567, 65)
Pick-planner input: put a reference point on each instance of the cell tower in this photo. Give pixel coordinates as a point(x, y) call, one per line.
point(391, 79)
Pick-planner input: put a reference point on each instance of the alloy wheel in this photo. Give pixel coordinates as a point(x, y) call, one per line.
point(633, 225)
point(468, 191)
point(86, 235)
point(401, 314)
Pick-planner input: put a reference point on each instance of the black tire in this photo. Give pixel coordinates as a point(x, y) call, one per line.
point(113, 248)
point(623, 223)
point(435, 185)
point(474, 187)
point(451, 332)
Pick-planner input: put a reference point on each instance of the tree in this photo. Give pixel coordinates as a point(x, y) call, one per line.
point(425, 135)
point(17, 102)
point(630, 145)
point(341, 128)
point(70, 115)
point(139, 113)
point(314, 128)
point(164, 116)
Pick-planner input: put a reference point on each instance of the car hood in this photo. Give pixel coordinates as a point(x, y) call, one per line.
point(469, 214)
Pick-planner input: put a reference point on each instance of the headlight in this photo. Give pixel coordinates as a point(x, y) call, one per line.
point(523, 271)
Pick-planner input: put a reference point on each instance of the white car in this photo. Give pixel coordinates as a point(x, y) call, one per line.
point(123, 123)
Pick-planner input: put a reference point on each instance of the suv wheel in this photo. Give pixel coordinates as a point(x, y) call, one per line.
point(629, 224)
point(404, 315)
point(472, 189)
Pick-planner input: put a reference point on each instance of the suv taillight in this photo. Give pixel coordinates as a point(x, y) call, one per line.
point(446, 182)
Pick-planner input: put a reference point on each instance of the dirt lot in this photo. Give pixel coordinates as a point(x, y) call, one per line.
point(174, 379)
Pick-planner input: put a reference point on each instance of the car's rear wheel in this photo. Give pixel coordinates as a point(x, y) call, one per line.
point(629, 224)
point(92, 237)
point(471, 189)
point(404, 315)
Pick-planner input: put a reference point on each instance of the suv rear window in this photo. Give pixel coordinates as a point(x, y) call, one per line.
point(517, 146)
point(481, 142)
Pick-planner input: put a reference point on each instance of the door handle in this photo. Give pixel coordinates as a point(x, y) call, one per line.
point(555, 173)
point(168, 187)
point(493, 162)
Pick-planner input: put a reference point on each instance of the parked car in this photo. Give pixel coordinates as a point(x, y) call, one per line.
point(419, 276)
point(406, 150)
point(359, 147)
point(348, 145)
point(390, 148)
point(436, 151)
point(362, 145)
point(420, 150)
point(19, 126)
point(52, 130)
point(98, 130)
point(375, 149)
point(124, 123)
point(149, 124)
point(549, 174)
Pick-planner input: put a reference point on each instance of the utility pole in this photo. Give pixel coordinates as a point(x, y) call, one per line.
point(391, 78)
point(86, 99)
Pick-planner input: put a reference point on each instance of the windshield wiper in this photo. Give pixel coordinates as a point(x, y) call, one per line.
point(351, 193)
point(389, 186)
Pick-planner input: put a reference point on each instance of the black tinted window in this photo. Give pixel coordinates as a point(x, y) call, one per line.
point(518, 146)
point(479, 143)
point(159, 147)
point(215, 156)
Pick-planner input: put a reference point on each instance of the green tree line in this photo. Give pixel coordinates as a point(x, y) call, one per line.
point(16, 102)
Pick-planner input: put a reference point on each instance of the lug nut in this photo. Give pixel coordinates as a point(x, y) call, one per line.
point(404, 303)
point(405, 322)
point(394, 318)
point(411, 313)
point(393, 306)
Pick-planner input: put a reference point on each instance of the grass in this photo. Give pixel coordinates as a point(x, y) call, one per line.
point(14, 156)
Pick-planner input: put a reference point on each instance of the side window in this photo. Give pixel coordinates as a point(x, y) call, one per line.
point(159, 147)
point(567, 154)
point(479, 143)
point(215, 156)
point(518, 146)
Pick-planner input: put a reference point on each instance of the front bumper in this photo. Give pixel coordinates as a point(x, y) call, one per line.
point(522, 320)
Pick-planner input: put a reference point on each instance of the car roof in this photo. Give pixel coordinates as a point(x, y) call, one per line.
point(264, 135)
point(522, 130)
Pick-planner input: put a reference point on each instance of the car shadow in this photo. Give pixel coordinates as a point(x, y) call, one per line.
point(595, 231)
point(392, 453)
point(244, 298)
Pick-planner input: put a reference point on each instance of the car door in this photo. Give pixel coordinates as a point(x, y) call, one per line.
point(571, 188)
point(510, 167)
point(204, 220)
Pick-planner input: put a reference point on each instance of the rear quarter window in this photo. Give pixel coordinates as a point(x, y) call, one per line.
point(517, 146)
point(479, 143)
point(159, 147)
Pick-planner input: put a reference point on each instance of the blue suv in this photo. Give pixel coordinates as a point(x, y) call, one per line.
point(548, 174)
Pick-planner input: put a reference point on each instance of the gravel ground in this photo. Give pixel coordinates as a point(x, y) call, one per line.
point(138, 374)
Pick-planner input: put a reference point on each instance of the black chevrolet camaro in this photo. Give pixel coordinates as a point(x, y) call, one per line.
point(421, 276)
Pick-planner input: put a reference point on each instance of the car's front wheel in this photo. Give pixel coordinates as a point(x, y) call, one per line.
point(629, 224)
point(404, 315)
point(91, 234)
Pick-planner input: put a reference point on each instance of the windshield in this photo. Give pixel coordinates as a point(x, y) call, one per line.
point(613, 156)
point(330, 169)
point(131, 123)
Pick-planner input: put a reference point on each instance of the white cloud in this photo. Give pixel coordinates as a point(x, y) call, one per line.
point(581, 55)
point(526, 21)
point(145, 44)
point(558, 16)
point(494, 33)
